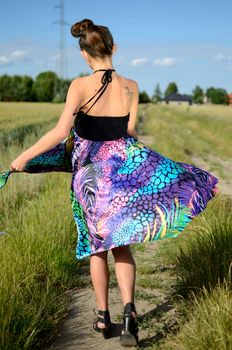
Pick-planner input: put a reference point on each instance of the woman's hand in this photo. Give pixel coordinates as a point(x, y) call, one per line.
point(55, 135)
point(19, 163)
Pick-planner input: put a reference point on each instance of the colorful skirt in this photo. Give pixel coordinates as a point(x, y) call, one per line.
point(123, 192)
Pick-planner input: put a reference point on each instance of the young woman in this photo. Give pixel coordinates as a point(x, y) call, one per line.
point(122, 192)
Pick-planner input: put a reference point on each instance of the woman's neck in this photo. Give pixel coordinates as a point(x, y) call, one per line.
point(107, 64)
point(102, 67)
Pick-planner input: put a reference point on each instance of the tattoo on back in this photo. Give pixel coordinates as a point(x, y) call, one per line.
point(129, 92)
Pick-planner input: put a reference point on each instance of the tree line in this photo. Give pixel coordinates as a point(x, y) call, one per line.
point(212, 94)
point(48, 87)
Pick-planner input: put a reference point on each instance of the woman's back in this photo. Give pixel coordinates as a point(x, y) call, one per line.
point(107, 123)
point(116, 99)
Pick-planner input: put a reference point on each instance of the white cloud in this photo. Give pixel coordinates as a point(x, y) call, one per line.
point(166, 61)
point(4, 61)
point(18, 54)
point(139, 61)
point(223, 57)
point(14, 56)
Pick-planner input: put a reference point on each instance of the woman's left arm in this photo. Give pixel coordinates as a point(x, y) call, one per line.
point(133, 111)
point(55, 135)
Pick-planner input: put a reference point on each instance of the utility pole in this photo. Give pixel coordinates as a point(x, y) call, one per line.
point(62, 54)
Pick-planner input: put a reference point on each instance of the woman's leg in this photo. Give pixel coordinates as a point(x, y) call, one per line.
point(125, 270)
point(100, 275)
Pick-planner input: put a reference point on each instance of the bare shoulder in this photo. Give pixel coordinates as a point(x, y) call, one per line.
point(78, 86)
point(79, 81)
point(132, 84)
point(130, 87)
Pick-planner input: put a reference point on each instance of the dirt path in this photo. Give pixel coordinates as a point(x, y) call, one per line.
point(75, 332)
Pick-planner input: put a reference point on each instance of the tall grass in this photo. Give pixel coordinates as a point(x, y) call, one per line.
point(205, 257)
point(37, 251)
point(210, 323)
point(21, 187)
point(38, 264)
point(202, 291)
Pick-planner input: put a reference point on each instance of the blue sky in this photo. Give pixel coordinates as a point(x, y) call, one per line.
point(189, 42)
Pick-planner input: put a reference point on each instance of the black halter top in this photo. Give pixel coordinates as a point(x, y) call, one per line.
point(100, 128)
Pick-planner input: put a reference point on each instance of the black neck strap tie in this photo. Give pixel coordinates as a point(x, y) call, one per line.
point(107, 76)
point(106, 79)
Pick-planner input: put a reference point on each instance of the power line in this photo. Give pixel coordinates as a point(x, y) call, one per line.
point(62, 56)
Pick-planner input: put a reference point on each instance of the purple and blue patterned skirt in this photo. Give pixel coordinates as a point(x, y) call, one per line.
point(123, 192)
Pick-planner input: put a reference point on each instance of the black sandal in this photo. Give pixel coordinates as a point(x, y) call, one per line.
point(103, 317)
point(129, 335)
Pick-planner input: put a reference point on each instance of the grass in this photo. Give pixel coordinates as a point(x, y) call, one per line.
point(205, 258)
point(37, 254)
point(180, 132)
point(14, 115)
point(198, 262)
point(37, 266)
point(209, 323)
point(194, 272)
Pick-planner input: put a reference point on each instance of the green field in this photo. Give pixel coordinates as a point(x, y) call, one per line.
point(37, 256)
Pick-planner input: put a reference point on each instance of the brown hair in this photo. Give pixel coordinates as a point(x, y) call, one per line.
point(95, 39)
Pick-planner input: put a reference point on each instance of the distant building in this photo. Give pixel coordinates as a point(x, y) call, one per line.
point(205, 99)
point(177, 99)
point(230, 99)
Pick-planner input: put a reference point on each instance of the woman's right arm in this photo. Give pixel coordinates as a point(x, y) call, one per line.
point(58, 133)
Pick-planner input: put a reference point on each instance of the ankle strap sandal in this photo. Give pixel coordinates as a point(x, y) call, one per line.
point(129, 335)
point(103, 317)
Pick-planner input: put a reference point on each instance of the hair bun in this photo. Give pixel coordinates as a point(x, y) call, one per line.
point(80, 29)
point(96, 40)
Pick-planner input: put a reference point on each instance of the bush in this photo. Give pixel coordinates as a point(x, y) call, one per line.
point(217, 95)
point(143, 97)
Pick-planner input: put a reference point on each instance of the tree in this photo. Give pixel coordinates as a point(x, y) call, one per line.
point(16, 88)
point(44, 86)
point(27, 84)
point(198, 95)
point(171, 89)
point(21, 88)
point(217, 95)
point(60, 90)
point(143, 97)
point(157, 96)
point(5, 88)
